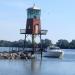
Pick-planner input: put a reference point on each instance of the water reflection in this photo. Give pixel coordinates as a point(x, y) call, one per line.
point(35, 67)
point(46, 66)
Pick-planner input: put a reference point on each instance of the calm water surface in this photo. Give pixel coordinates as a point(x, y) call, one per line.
point(46, 66)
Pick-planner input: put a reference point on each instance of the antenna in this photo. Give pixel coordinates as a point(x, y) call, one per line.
point(33, 2)
point(34, 5)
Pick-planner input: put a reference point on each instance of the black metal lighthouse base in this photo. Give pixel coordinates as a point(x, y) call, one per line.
point(43, 32)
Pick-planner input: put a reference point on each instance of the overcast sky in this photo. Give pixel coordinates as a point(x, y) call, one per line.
point(58, 17)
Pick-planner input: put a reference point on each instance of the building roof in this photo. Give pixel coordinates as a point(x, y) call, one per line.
point(34, 7)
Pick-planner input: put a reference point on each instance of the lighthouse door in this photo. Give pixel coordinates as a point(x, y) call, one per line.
point(36, 28)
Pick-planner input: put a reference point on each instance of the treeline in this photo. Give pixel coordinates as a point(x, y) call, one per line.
point(63, 44)
point(28, 44)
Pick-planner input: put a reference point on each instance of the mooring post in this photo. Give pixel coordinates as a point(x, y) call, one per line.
point(33, 49)
point(41, 46)
point(24, 43)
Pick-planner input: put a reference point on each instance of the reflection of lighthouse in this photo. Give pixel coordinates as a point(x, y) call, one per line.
point(35, 66)
point(33, 25)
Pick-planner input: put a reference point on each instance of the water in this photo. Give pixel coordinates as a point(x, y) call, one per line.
point(46, 66)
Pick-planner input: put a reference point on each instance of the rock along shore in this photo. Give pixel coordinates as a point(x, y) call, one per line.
point(16, 55)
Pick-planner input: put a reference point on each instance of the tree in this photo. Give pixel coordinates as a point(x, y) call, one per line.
point(64, 44)
point(72, 44)
point(5, 43)
point(45, 43)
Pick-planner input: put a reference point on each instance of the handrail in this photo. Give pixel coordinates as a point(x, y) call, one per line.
point(42, 32)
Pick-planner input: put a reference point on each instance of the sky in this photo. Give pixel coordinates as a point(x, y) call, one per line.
point(58, 17)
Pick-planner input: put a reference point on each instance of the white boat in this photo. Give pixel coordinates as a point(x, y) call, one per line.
point(54, 51)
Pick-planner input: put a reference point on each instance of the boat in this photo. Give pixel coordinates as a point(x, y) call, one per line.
point(54, 52)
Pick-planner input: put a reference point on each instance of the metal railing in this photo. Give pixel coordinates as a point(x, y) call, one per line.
point(22, 31)
point(42, 32)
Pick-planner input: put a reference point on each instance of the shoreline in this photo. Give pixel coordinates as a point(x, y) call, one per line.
point(16, 55)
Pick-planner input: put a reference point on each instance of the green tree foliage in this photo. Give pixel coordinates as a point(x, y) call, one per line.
point(5, 43)
point(19, 43)
point(45, 43)
point(64, 44)
point(72, 44)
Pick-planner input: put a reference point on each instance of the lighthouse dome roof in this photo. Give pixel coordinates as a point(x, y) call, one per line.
point(34, 7)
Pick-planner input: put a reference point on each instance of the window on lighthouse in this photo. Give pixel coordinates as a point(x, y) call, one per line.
point(35, 14)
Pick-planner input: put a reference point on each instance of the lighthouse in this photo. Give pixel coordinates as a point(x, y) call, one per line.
point(33, 26)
